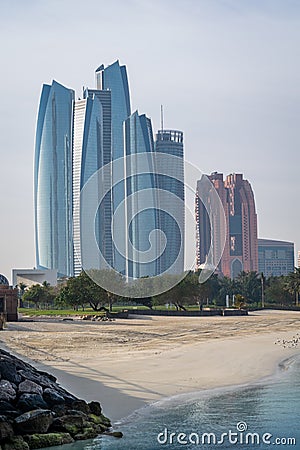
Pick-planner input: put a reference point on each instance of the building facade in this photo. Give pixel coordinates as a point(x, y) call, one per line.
point(171, 221)
point(34, 276)
point(240, 251)
point(53, 181)
point(141, 203)
point(8, 302)
point(275, 258)
point(114, 79)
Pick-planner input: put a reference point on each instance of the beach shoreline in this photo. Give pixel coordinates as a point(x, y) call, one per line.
point(127, 365)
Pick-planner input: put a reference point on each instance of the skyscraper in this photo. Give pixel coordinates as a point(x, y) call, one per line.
point(104, 158)
point(89, 154)
point(141, 202)
point(114, 78)
point(240, 251)
point(53, 181)
point(170, 142)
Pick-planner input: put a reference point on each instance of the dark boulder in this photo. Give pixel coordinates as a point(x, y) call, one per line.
point(28, 402)
point(6, 429)
point(7, 392)
point(8, 409)
point(36, 421)
point(69, 398)
point(15, 443)
point(72, 424)
point(116, 434)
point(29, 387)
point(9, 372)
point(59, 410)
point(47, 375)
point(52, 397)
point(95, 408)
point(37, 378)
point(87, 433)
point(81, 405)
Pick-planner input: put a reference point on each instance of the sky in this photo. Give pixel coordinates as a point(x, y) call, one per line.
point(226, 71)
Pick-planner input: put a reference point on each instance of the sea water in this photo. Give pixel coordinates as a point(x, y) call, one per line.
point(262, 416)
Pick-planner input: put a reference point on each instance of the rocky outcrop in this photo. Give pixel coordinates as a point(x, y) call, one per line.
point(36, 412)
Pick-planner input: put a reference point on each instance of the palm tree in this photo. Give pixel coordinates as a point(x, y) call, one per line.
point(21, 286)
point(249, 286)
point(293, 284)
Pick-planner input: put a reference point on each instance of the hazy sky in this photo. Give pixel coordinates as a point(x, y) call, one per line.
point(226, 71)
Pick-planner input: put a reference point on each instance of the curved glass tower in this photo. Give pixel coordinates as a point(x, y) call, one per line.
point(87, 156)
point(53, 181)
point(114, 78)
point(140, 197)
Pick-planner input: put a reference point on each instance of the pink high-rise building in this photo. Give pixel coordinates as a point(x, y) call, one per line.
point(241, 250)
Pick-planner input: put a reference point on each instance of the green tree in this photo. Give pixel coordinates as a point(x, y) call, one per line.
point(248, 284)
point(182, 294)
point(82, 290)
point(34, 294)
point(227, 286)
point(276, 291)
point(292, 284)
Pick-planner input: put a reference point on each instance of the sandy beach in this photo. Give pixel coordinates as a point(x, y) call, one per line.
point(126, 364)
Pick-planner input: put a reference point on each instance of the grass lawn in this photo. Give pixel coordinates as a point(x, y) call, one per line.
point(88, 311)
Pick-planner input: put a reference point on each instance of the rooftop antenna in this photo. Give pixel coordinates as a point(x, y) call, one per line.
point(162, 117)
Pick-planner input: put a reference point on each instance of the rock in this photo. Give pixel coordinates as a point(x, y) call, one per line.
point(72, 424)
point(105, 420)
point(8, 410)
point(48, 440)
point(59, 410)
point(69, 398)
point(116, 434)
point(37, 378)
point(6, 429)
point(47, 375)
point(87, 433)
point(36, 421)
point(30, 387)
point(9, 372)
point(95, 419)
point(29, 402)
point(52, 398)
point(74, 412)
point(81, 405)
point(15, 443)
point(18, 363)
point(95, 408)
point(7, 392)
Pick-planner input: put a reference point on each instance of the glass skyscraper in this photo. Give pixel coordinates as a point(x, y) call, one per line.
point(141, 201)
point(114, 78)
point(88, 157)
point(53, 181)
point(170, 142)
